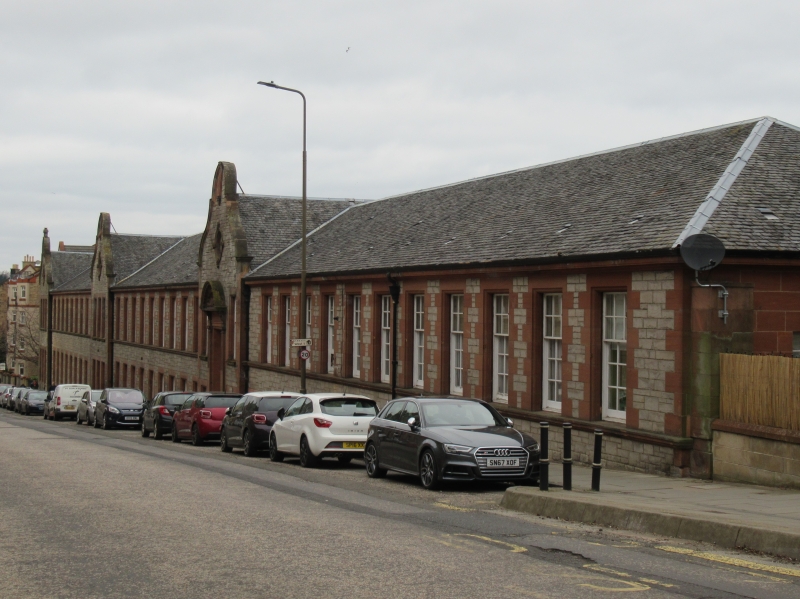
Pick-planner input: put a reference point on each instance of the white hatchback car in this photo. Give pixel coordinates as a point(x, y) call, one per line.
point(321, 425)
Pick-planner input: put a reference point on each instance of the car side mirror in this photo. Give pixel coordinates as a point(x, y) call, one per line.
point(510, 422)
point(227, 411)
point(412, 422)
point(281, 413)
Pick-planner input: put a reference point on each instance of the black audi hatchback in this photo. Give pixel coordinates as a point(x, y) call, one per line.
point(444, 439)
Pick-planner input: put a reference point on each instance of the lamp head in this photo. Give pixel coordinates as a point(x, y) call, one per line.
point(270, 84)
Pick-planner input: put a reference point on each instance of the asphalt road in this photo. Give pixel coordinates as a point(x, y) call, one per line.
point(89, 513)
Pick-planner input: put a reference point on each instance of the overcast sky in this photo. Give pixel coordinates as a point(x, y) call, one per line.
point(126, 107)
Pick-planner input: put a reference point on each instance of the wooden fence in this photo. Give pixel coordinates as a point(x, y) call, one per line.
point(761, 390)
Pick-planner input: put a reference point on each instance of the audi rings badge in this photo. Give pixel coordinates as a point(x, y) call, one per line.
point(502, 452)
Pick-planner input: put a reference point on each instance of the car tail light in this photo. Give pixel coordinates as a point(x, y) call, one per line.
point(322, 423)
point(163, 411)
point(205, 413)
point(260, 418)
point(58, 401)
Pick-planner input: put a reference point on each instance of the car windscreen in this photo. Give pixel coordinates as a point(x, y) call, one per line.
point(176, 399)
point(459, 413)
point(37, 396)
point(125, 396)
point(273, 404)
point(348, 407)
point(221, 401)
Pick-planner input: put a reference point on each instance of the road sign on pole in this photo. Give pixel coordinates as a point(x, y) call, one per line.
point(304, 354)
point(301, 342)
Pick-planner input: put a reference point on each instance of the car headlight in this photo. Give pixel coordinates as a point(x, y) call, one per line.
point(113, 410)
point(457, 449)
point(533, 448)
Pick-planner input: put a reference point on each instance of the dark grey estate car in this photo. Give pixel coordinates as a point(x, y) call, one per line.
point(443, 439)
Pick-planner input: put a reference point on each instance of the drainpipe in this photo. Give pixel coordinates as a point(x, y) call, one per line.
point(394, 291)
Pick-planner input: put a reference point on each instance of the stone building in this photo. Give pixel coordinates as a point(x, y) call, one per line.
point(22, 322)
point(556, 292)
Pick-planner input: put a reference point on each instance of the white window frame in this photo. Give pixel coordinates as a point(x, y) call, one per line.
point(331, 334)
point(21, 368)
point(22, 317)
point(21, 344)
point(23, 291)
point(269, 329)
point(457, 344)
point(500, 328)
point(13, 316)
point(614, 356)
point(419, 341)
point(356, 336)
point(386, 338)
point(552, 333)
point(287, 344)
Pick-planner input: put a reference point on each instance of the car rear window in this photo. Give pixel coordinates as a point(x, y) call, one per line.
point(38, 396)
point(221, 401)
point(348, 407)
point(125, 396)
point(273, 404)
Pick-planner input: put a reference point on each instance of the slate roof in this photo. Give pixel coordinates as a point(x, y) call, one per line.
point(271, 223)
point(80, 282)
point(66, 266)
point(176, 266)
point(633, 199)
point(131, 252)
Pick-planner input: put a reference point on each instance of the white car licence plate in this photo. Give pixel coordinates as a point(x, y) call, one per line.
point(131, 418)
point(502, 463)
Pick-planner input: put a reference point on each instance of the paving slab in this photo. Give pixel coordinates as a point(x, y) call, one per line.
point(727, 514)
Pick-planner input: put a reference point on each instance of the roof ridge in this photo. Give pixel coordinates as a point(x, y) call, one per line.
point(282, 197)
point(712, 201)
point(563, 160)
point(142, 235)
point(66, 252)
point(181, 240)
point(308, 234)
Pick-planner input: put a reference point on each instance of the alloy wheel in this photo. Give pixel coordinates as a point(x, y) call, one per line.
point(427, 471)
point(274, 454)
point(307, 459)
point(175, 438)
point(223, 442)
point(247, 444)
point(372, 463)
point(157, 432)
point(196, 440)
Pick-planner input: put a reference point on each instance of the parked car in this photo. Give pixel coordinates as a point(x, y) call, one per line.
point(322, 425)
point(86, 407)
point(158, 413)
point(5, 398)
point(12, 399)
point(248, 424)
point(440, 439)
point(200, 417)
point(119, 407)
point(65, 401)
point(32, 402)
point(3, 389)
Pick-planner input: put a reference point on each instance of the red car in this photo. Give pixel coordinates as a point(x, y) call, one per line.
point(200, 417)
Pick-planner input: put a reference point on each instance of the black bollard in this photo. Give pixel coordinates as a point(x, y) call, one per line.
point(544, 459)
point(596, 466)
point(567, 459)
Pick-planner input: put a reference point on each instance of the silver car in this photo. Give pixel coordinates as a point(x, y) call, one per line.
point(86, 407)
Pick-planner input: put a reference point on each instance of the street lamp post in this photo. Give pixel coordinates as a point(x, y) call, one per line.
point(302, 311)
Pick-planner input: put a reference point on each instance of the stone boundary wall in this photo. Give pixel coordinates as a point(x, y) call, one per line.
point(755, 460)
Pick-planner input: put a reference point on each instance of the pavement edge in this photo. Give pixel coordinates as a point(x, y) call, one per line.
point(593, 510)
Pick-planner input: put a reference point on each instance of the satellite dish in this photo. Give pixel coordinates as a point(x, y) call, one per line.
point(702, 252)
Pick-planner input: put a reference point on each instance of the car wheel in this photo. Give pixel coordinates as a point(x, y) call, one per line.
point(428, 473)
point(145, 432)
point(274, 454)
point(78, 419)
point(371, 461)
point(345, 459)
point(307, 459)
point(175, 438)
point(45, 414)
point(157, 432)
point(248, 445)
point(106, 425)
point(196, 440)
point(95, 422)
point(223, 442)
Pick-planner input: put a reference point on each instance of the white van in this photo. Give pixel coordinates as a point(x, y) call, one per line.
point(66, 399)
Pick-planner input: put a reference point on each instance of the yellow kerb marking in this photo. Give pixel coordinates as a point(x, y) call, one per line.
point(597, 568)
point(452, 507)
point(732, 561)
point(632, 587)
point(513, 548)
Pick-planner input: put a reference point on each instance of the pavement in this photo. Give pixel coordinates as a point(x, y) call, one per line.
point(730, 515)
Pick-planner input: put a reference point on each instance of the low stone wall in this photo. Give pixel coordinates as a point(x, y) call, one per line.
point(754, 458)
